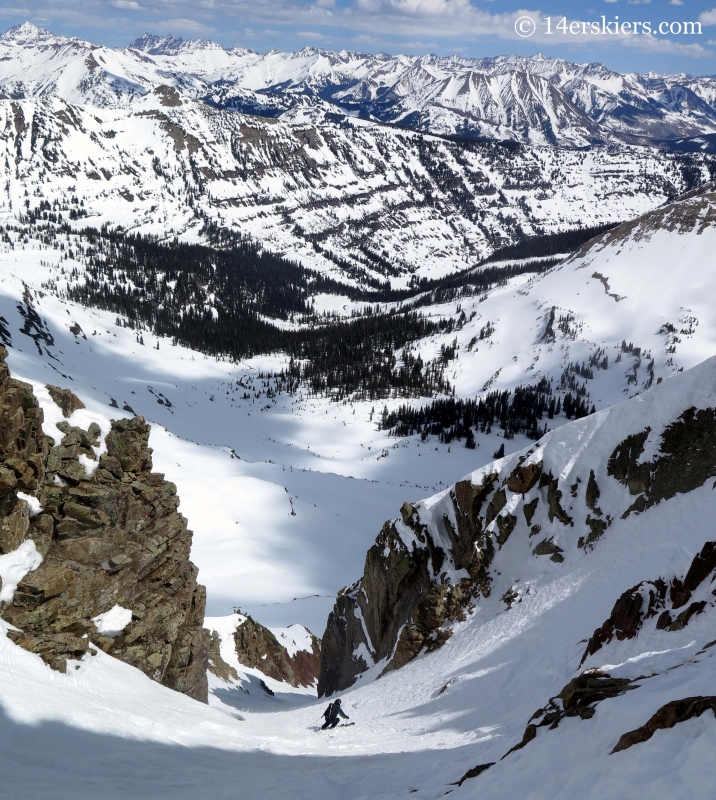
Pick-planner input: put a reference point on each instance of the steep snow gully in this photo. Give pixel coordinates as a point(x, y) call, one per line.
point(105, 728)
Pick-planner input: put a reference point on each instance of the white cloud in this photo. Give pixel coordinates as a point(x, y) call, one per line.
point(676, 2)
point(183, 25)
point(310, 35)
point(128, 5)
point(708, 17)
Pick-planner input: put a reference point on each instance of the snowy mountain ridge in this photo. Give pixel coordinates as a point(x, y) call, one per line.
point(538, 100)
point(364, 203)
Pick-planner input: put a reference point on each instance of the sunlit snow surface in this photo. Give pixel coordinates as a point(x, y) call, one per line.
point(14, 566)
point(105, 730)
point(114, 621)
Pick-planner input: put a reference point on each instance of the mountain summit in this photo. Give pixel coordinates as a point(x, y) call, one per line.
point(27, 34)
point(534, 99)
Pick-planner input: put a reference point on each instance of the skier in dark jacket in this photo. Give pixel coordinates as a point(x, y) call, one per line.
point(332, 714)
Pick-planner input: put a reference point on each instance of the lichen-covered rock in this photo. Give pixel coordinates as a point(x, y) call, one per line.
point(258, 648)
point(110, 538)
point(23, 452)
point(65, 399)
point(127, 442)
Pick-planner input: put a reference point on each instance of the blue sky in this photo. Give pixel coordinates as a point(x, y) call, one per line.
point(466, 27)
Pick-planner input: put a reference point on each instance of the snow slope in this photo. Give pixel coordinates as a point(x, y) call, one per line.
point(648, 283)
point(419, 729)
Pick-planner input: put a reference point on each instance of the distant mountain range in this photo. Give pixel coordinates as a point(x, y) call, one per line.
point(534, 100)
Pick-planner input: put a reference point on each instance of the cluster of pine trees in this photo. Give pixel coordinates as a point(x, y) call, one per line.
point(222, 299)
point(550, 244)
point(219, 301)
point(521, 411)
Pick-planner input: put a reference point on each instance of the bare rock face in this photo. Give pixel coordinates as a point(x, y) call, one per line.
point(687, 460)
point(404, 599)
point(667, 716)
point(112, 538)
point(23, 453)
point(65, 399)
point(258, 648)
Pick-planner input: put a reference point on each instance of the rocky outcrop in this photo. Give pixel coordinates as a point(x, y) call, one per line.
point(686, 460)
point(405, 596)
point(110, 536)
point(667, 716)
point(425, 570)
point(65, 399)
point(430, 566)
point(217, 665)
point(662, 599)
point(23, 454)
point(577, 699)
point(257, 647)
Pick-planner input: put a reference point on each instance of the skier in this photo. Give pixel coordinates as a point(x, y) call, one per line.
point(332, 713)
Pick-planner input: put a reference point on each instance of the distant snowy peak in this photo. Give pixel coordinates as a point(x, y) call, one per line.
point(510, 104)
point(27, 34)
point(155, 45)
point(169, 45)
point(530, 99)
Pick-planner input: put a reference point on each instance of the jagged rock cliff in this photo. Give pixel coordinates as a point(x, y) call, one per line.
point(536, 510)
point(115, 569)
point(258, 647)
point(24, 455)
